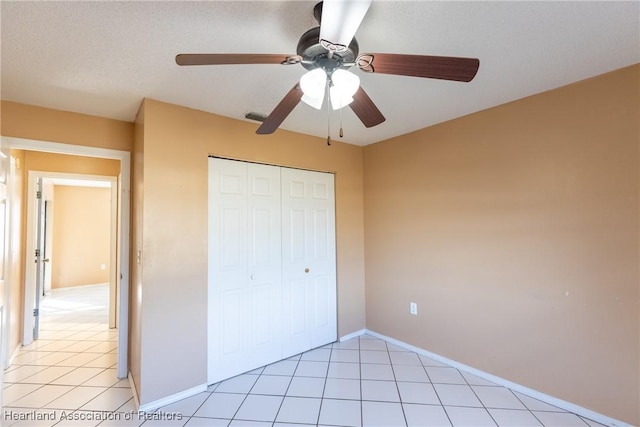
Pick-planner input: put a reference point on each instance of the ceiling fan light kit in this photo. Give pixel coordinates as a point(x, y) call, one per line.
point(327, 52)
point(313, 85)
point(342, 86)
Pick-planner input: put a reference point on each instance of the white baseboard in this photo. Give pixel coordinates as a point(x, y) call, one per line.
point(352, 335)
point(562, 404)
point(151, 406)
point(14, 355)
point(134, 391)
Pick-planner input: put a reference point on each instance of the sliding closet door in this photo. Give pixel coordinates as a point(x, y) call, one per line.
point(308, 260)
point(245, 296)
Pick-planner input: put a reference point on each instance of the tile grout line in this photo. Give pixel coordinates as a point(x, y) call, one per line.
point(326, 379)
point(477, 397)
point(525, 405)
point(361, 394)
point(204, 401)
point(287, 390)
point(395, 379)
point(446, 414)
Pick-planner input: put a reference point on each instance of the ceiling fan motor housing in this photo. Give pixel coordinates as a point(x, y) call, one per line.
point(315, 55)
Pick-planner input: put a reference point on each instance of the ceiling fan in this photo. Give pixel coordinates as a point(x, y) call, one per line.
point(328, 51)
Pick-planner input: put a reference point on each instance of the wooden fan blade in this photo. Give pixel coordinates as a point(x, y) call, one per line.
point(341, 19)
point(365, 109)
point(282, 110)
point(433, 67)
point(228, 58)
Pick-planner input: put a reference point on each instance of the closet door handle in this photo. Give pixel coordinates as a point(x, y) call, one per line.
point(252, 277)
point(306, 270)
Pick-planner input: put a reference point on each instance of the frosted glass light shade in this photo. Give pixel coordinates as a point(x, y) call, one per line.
point(345, 85)
point(338, 99)
point(314, 83)
point(313, 102)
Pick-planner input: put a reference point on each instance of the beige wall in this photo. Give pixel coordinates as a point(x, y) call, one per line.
point(49, 162)
point(516, 231)
point(177, 142)
point(81, 236)
point(45, 124)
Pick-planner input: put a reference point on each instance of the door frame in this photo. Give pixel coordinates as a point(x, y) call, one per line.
point(123, 215)
point(6, 184)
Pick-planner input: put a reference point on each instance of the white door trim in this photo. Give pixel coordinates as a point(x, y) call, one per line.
point(5, 298)
point(123, 229)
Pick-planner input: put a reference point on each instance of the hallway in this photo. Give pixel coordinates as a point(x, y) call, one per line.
point(72, 366)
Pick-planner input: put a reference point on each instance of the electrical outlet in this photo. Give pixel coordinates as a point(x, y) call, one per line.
point(413, 308)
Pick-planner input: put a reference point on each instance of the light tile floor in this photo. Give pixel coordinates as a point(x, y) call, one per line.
point(361, 382)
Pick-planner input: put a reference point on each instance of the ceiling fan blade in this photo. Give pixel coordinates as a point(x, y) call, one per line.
point(282, 110)
point(340, 21)
point(433, 67)
point(365, 109)
point(229, 58)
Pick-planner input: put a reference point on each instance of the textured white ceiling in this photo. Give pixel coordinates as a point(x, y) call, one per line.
point(103, 58)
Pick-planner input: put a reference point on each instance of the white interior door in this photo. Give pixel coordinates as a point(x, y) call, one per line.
point(244, 267)
point(308, 260)
point(39, 257)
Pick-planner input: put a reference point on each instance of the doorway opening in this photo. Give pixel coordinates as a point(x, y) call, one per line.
point(118, 263)
point(72, 232)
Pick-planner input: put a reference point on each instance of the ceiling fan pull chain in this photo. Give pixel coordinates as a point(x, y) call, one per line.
point(328, 115)
point(341, 132)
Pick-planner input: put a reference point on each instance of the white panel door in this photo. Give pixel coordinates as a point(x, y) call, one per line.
point(265, 266)
point(244, 267)
point(308, 260)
